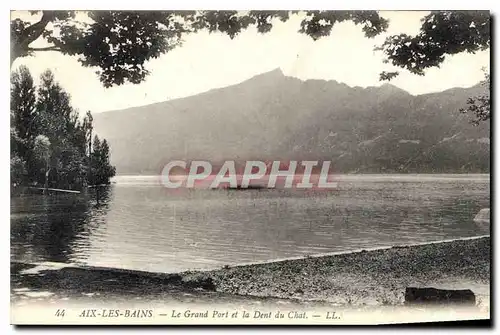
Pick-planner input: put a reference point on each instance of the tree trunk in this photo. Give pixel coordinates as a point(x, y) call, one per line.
point(12, 58)
point(13, 53)
point(46, 185)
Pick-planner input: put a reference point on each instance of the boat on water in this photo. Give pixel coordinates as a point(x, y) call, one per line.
point(250, 187)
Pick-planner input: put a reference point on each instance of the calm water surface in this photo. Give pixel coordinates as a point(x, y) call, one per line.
point(138, 224)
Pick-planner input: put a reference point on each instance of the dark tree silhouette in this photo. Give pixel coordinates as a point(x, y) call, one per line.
point(50, 145)
point(101, 169)
point(442, 33)
point(119, 43)
point(22, 102)
point(22, 111)
point(480, 106)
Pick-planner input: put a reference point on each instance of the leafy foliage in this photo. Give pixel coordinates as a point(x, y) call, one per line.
point(442, 33)
point(41, 147)
point(480, 105)
point(384, 75)
point(22, 120)
point(22, 106)
point(119, 43)
point(101, 169)
point(17, 169)
point(49, 142)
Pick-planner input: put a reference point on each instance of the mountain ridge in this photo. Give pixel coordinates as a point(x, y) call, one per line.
point(273, 116)
point(279, 70)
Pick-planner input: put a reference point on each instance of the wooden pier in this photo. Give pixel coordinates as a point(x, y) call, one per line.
point(54, 190)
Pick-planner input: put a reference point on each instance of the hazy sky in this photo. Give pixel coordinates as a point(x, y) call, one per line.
point(207, 61)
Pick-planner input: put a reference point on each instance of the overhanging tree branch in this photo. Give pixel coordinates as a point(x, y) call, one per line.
point(31, 33)
point(119, 43)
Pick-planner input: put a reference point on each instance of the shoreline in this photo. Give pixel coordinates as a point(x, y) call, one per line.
point(337, 253)
point(60, 265)
point(359, 278)
point(376, 277)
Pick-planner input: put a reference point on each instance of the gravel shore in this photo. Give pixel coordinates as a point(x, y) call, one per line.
point(366, 277)
point(377, 277)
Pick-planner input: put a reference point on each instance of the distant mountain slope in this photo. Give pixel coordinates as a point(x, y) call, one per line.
point(272, 116)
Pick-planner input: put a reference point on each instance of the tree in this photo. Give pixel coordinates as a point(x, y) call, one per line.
point(23, 115)
point(49, 144)
point(42, 152)
point(442, 33)
point(67, 135)
point(119, 43)
point(480, 106)
point(108, 170)
point(22, 110)
point(87, 129)
point(101, 169)
point(17, 169)
point(22, 103)
point(54, 108)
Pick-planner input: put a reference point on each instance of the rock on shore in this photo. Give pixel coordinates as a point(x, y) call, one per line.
point(483, 217)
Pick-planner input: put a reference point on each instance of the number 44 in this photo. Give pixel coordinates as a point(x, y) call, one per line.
point(60, 313)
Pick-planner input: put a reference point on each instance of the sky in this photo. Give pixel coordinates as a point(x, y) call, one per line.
point(207, 61)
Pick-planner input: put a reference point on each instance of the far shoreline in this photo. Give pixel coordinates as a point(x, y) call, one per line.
point(485, 174)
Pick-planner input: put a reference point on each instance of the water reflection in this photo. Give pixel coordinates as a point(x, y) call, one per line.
point(47, 227)
point(138, 225)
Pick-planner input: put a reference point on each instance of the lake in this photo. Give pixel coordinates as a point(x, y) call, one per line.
point(138, 224)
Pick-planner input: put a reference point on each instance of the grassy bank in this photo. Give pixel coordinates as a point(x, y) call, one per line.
point(377, 277)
